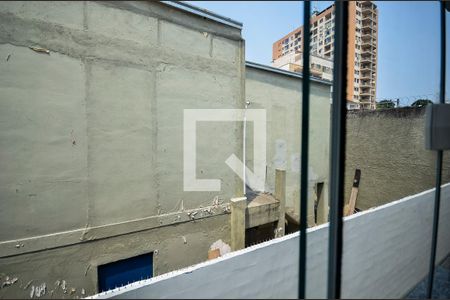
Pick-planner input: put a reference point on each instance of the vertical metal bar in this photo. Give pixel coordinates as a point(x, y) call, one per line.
point(304, 150)
point(337, 165)
point(437, 194)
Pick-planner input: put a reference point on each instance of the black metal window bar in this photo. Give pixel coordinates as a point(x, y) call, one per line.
point(337, 157)
point(304, 151)
point(437, 195)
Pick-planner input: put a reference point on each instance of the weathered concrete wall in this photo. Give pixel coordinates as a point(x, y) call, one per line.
point(281, 96)
point(91, 135)
point(388, 146)
point(386, 253)
point(173, 246)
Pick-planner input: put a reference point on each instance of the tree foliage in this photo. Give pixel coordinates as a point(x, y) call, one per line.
point(385, 104)
point(421, 102)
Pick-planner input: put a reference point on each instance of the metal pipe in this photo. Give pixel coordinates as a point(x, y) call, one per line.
point(244, 158)
point(304, 150)
point(437, 194)
point(337, 165)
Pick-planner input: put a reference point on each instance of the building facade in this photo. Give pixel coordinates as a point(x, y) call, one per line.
point(321, 67)
point(92, 140)
point(362, 50)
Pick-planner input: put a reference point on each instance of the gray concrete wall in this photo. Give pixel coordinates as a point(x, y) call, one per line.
point(388, 147)
point(173, 247)
point(281, 96)
point(91, 137)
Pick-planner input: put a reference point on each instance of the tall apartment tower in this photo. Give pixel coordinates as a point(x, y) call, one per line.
point(362, 50)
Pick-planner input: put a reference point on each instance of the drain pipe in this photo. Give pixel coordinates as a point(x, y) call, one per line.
point(247, 104)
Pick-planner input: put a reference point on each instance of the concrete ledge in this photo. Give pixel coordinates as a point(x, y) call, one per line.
point(254, 65)
point(261, 210)
point(204, 13)
point(67, 238)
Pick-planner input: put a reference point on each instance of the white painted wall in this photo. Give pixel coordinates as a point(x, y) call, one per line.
point(386, 253)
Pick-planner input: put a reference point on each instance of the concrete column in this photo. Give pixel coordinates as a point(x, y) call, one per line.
point(280, 195)
point(238, 207)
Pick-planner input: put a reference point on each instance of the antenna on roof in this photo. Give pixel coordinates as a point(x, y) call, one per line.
point(315, 10)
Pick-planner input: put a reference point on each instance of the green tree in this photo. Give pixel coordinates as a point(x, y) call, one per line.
point(421, 102)
point(385, 104)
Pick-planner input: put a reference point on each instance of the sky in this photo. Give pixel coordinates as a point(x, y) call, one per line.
point(408, 39)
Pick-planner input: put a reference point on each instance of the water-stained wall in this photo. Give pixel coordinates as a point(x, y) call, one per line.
point(91, 138)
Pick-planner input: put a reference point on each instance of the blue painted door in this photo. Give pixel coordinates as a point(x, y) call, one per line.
point(125, 271)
